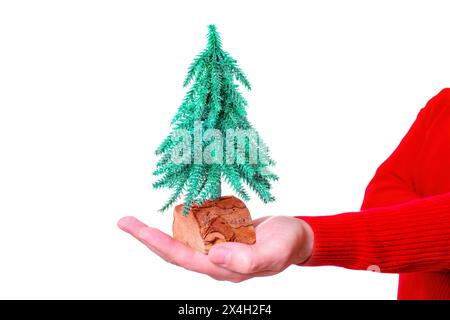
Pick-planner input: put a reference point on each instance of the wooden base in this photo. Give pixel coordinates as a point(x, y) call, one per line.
point(215, 221)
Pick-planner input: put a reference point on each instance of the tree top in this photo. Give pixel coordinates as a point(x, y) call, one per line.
point(214, 41)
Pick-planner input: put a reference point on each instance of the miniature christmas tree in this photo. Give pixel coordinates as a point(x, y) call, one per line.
point(212, 109)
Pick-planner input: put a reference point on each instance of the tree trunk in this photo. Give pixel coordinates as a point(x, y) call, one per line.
point(215, 221)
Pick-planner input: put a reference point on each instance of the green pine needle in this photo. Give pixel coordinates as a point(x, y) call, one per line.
point(215, 99)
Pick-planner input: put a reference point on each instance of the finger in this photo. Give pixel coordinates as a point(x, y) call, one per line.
point(134, 226)
point(162, 244)
point(242, 258)
point(174, 251)
point(131, 225)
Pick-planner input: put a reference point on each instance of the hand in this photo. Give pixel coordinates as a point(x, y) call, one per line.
point(280, 242)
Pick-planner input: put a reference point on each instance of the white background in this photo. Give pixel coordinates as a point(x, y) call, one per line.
point(87, 91)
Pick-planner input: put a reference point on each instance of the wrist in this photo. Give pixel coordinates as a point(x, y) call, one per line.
point(305, 242)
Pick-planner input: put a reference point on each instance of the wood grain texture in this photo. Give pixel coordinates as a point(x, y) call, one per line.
point(215, 221)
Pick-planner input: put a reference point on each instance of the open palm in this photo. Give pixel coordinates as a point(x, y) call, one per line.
point(280, 242)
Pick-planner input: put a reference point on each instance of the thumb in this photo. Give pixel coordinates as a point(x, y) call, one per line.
point(239, 257)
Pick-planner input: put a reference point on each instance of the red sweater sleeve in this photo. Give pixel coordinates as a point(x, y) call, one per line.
point(397, 231)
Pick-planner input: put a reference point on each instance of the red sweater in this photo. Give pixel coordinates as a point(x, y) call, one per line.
point(404, 223)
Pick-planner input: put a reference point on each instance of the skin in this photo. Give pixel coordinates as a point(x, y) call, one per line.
point(280, 242)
